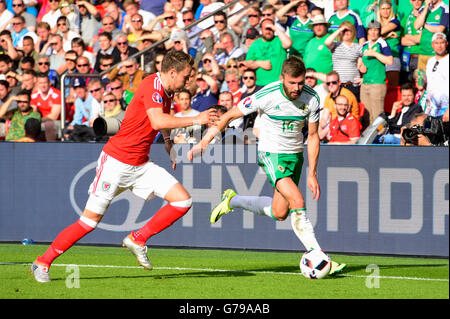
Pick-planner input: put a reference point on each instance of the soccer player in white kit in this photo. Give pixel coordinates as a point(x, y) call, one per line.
point(284, 108)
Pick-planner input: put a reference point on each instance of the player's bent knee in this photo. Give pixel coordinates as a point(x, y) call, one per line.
point(97, 204)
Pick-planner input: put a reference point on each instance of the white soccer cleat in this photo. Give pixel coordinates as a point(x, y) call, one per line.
point(40, 272)
point(140, 251)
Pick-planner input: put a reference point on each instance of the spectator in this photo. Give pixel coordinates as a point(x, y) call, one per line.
point(124, 48)
point(29, 20)
point(251, 35)
point(116, 87)
point(131, 7)
point(206, 93)
point(6, 46)
point(108, 26)
point(226, 99)
point(32, 129)
point(90, 21)
point(20, 116)
point(179, 41)
point(135, 30)
point(233, 81)
point(106, 47)
point(298, 25)
point(70, 11)
point(129, 73)
point(346, 56)
point(70, 68)
point(84, 67)
point(376, 54)
point(156, 63)
point(46, 100)
point(212, 68)
point(402, 113)
point(20, 31)
point(334, 86)
point(26, 63)
point(68, 35)
point(190, 134)
point(420, 79)
point(115, 12)
point(241, 26)
point(410, 39)
point(249, 79)
point(344, 128)
point(57, 56)
point(228, 50)
point(43, 33)
point(52, 14)
point(5, 15)
point(207, 7)
point(221, 27)
point(437, 77)
point(178, 6)
point(343, 13)
point(317, 55)
point(433, 18)
point(194, 32)
point(267, 54)
point(4, 91)
point(28, 50)
point(106, 62)
point(111, 106)
point(5, 64)
point(163, 24)
point(43, 66)
point(79, 47)
point(390, 32)
point(96, 89)
point(28, 81)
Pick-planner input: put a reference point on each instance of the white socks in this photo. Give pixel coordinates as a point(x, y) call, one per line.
point(303, 229)
point(261, 205)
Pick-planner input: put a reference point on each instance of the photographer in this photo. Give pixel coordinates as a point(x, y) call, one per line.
point(402, 113)
point(425, 130)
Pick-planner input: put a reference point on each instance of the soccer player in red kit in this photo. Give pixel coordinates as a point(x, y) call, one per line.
point(124, 164)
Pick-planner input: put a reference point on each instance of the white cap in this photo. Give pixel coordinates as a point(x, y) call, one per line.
point(439, 35)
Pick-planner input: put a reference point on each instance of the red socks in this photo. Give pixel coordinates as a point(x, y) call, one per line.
point(65, 240)
point(162, 219)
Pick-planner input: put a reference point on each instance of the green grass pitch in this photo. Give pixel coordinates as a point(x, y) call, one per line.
point(90, 272)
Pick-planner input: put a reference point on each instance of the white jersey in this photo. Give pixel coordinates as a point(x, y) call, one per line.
point(282, 120)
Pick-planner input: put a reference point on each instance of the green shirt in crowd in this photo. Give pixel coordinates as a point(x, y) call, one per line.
point(17, 127)
point(376, 70)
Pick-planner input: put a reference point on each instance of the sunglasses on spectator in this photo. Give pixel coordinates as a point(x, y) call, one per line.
point(24, 102)
point(112, 23)
point(129, 66)
point(267, 14)
point(219, 21)
point(60, 24)
point(95, 90)
point(137, 20)
point(332, 82)
point(169, 18)
point(253, 16)
point(83, 65)
point(116, 88)
point(43, 63)
point(17, 5)
point(17, 23)
point(310, 78)
point(188, 20)
point(206, 60)
point(70, 60)
point(109, 101)
point(234, 66)
point(122, 43)
point(107, 64)
point(248, 77)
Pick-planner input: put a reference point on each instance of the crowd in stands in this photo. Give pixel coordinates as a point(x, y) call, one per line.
point(364, 58)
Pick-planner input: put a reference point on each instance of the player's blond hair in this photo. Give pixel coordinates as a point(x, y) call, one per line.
point(177, 60)
point(293, 66)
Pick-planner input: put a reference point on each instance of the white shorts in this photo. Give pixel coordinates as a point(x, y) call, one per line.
point(396, 66)
point(113, 177)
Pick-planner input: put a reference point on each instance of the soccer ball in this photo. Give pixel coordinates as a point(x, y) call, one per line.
point(315, 264)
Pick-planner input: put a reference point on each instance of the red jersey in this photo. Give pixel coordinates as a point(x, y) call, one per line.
point(45, 103)
point(131, 145)
point(345, 130)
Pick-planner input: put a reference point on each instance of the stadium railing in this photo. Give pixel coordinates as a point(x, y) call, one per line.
point(141, 54)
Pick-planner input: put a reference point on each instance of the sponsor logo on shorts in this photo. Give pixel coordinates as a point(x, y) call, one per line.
point(281, 168)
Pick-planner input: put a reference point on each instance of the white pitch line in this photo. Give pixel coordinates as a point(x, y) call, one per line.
point(228, 270)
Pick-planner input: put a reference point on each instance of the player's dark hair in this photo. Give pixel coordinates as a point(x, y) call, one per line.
point(177, 60)
point(293, 66)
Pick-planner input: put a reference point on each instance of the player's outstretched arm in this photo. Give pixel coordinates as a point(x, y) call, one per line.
point(313, 158)
point(229, 116)
point(160, 120)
